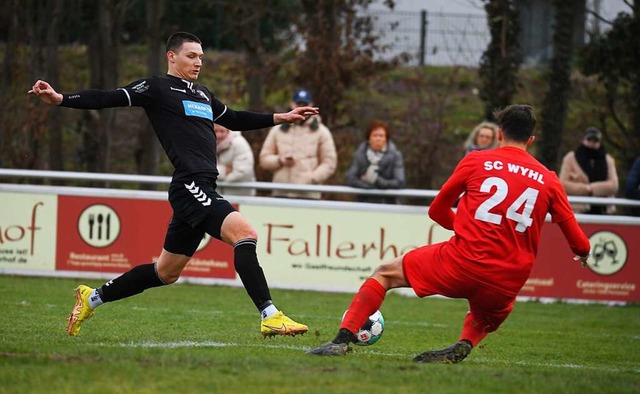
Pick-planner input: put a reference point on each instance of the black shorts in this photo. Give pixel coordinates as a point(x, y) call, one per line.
point(197, 209)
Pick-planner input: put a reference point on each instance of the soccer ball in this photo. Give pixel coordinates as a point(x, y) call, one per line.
point(371, 330)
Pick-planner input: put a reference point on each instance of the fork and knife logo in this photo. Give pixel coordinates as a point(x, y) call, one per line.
point(99, 225)
point(101, 217)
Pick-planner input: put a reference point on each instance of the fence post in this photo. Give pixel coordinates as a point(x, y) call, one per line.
point(423, 36)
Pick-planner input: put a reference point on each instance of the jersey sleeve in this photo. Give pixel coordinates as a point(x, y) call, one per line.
point(218, 108)
point(238, 120)
point(141, 93)
point(95, 99)
point(562, 214)
point(578, 241)
point(441, 208)
point(559, 206)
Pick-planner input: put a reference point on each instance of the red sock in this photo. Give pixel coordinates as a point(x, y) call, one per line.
point(472, 330)
point(363, 305)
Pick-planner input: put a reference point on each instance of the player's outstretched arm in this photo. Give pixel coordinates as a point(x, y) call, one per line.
point(46, 93)
point(295, 115)
point(577, 240)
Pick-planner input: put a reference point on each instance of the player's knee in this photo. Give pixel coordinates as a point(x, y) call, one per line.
point(168, 276)
point(235, 228)
point(389, 274)
point(251, 234)
point(491, 323)
point(492, 326)
point(240, 233)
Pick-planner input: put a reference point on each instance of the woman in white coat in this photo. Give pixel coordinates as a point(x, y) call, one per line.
point(235, 160)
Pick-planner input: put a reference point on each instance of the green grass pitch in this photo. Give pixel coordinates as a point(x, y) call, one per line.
point(190, 339)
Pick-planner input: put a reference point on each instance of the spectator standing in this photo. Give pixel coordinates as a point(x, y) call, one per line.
point(632, 185)
point(301, 152)
point(235, 160)
point(483, 136)
point(377, 164)
point(590, 171)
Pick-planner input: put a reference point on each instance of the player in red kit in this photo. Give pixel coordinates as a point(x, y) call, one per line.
point(505, 195)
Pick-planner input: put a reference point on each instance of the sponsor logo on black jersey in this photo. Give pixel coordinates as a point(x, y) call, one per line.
point(141, 87)
point(193, 108)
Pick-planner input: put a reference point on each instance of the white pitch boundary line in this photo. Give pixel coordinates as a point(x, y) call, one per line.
point(179, 344)
point(478, 360)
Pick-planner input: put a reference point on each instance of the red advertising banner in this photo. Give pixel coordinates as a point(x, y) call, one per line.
point(302, 247)
point(115, 234)
point(613, 273)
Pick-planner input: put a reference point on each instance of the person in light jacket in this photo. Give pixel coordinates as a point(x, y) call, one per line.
point(377, 164)
point(590, 171)
point(235, 160)
point(302, 152)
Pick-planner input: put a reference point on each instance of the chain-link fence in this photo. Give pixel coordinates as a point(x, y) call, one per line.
point(433, 38)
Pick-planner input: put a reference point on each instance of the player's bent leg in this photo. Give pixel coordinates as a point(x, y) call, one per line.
point(235, 228)
point(170, 266)
point(237, 231)
point(391, 275)
point(371, 295)
point(487, 311)
point(82, 310)
point(450, 355)
point(368, 300)
point(132, 282)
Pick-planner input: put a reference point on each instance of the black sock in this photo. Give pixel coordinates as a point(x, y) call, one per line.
point(250, 272)
point(344, 336)
point(135, 281)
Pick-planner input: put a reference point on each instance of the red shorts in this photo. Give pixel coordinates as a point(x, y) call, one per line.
point(434, 269)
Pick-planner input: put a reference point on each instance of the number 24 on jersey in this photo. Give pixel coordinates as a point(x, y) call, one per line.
point(519, 211)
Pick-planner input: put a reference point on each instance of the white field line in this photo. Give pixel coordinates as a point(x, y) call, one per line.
point(473, 360)
point(179, 344)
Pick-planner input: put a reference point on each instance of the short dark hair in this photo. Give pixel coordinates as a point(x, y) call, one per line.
point(378, 124)
point(175, 41)
point(516, 122)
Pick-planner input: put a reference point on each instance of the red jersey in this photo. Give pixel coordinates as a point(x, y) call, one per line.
point(506, 195)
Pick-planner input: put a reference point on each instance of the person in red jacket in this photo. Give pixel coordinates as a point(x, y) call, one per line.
point(505, 195)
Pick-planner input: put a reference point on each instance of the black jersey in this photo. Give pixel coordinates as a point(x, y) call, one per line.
point(182, 114)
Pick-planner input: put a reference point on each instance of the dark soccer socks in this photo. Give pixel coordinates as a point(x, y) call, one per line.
point(246, 263)
point(133, 282)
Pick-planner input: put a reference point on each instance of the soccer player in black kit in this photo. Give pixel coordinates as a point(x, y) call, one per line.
point(182, 114)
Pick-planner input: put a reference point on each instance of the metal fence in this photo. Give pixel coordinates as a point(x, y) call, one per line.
point(420, 194)
point(433, 38)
